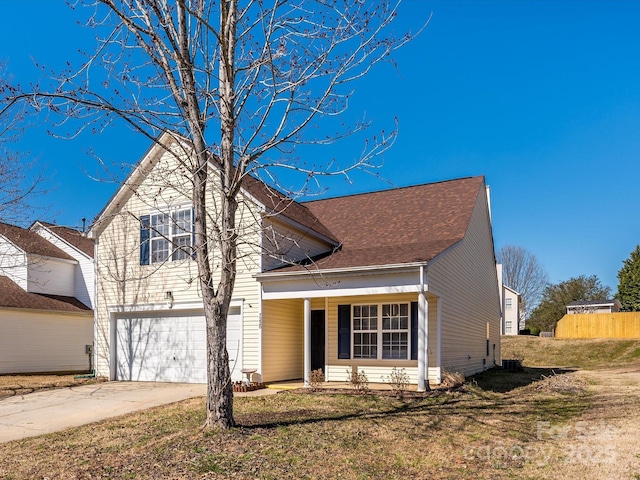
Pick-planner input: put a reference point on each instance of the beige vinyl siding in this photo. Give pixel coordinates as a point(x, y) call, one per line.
point(36, 341)
point(336, 368)
point(282, 339)
point(124, 284)
point(465, 277)
point(282, 244)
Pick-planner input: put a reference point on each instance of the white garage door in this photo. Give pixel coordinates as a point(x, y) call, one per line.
point(171, 347)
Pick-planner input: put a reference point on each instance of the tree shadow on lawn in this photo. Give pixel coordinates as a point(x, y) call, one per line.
point(502, 381)
point(462, 401)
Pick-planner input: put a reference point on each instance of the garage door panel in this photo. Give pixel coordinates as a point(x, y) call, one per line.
point(170, 348)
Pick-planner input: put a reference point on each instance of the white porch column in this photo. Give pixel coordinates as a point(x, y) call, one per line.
point(423, 342)
point(307, 340)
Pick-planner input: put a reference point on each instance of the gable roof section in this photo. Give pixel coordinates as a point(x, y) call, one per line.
point(72, 237)
point(399, 226)
point(13, 296)
point(511, 290)
point(275, 202)
point(31, 242)
point(279, 204)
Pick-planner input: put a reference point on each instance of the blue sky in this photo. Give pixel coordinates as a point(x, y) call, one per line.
point(541, 97)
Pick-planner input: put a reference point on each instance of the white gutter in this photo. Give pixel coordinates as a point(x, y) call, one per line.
point(347, 270)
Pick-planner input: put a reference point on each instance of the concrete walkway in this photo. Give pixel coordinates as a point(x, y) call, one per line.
point(55, 410)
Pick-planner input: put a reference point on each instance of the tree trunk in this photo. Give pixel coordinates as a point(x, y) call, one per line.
point(220, 389)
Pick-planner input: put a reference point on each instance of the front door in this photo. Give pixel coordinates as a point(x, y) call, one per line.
point(317, 340)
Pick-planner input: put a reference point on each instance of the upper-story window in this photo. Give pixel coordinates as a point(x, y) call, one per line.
point(166, 236)
point(507, 303)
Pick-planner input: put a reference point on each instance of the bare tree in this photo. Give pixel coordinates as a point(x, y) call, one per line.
point(20, 183)
point(523, 272)
point(242, 81)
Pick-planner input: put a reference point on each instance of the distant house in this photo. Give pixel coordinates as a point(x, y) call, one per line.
point(403, 278)
point(594, 306)
point(46, 295)
point(511, 311)
point(510, 323)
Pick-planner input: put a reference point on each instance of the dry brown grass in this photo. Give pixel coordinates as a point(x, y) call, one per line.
point(578, 353)
point(501, 425)
point(457, 434)
point(11, 385)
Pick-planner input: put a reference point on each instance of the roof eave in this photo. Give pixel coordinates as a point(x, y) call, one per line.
point(266, 276)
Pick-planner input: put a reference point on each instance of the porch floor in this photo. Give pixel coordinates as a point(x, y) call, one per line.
point(299, 383)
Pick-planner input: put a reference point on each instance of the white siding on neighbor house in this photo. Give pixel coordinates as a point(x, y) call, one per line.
point(51, 276)
point(282, 243)
point(465, 279)
point(124, 284)
point(84, 273)
point(37, 341)
point(510, 312)
point(13, 262)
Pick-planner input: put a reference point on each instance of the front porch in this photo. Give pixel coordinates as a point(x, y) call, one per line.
point(372, 334)
point(299, 383)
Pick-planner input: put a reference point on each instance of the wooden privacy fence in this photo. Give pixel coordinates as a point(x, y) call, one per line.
point(599, 325)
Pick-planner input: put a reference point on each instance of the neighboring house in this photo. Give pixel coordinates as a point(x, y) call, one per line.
point(401, 278)
point(46, 321)
point(510, 310)
point(594, 306)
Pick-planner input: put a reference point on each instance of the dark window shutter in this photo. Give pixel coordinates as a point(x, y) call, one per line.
point(414, 330)
point(144, 239)
point(193, 233)
point(344, 331)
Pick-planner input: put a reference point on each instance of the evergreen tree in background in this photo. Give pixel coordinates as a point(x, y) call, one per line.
point(629, 282)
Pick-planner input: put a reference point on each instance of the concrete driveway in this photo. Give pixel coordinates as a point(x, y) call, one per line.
point(54, 410)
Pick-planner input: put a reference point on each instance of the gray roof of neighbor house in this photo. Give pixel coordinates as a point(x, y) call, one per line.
point(579, 303)
point(31, 242)
point(391, 227)
point(74, 237)
point(13, 296)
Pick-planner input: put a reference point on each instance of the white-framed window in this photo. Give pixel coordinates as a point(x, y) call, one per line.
point(507, 303)
point(508, 325)
point(365, 331)
point(381, 331)
point(171, 235)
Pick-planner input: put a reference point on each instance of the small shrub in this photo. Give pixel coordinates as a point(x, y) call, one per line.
point(399, 381)
point(357, 380)
point(451, 379)
point(316, 379)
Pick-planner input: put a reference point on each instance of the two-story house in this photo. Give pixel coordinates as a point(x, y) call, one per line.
point(46, 299)
point(400, 278)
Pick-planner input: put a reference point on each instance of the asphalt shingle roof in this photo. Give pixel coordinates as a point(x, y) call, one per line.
point(74, 237)
point(403, 225)
point(14, 296)
point(31, 242)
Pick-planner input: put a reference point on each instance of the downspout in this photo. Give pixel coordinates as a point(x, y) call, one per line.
point(91, 349)
point(423, 334)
